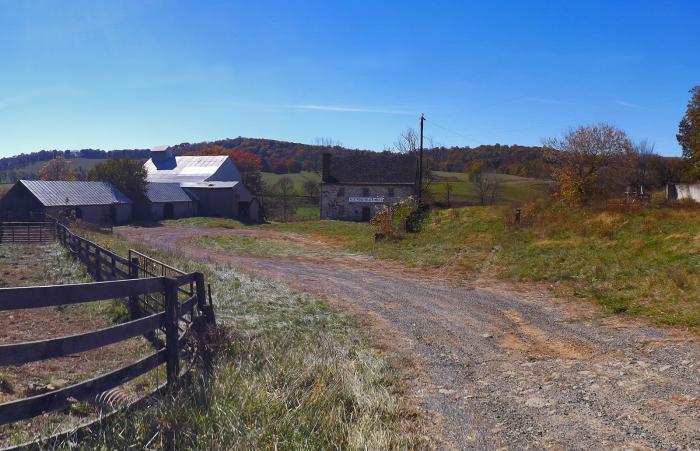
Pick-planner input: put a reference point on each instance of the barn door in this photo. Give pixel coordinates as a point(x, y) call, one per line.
point(168, 211)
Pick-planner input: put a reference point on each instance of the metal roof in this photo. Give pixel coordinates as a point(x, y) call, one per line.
point(166, 192)
point(184, 169)
point(209, 184)
point(61, 193)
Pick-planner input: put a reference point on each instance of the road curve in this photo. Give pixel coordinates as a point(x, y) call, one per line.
point(494, 369)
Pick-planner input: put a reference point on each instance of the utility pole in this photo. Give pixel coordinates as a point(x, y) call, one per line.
point(420, 162)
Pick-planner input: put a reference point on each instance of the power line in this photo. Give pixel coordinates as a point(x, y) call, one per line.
point(454, 131)
point(471, 138)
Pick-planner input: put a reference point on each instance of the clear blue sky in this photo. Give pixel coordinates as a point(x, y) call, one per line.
point(141, 73)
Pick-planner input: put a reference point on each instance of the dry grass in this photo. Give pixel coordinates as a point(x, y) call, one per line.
point(293, 374)
point(26, 265)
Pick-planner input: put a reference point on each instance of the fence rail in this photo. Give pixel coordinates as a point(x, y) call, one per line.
point(183, 301)
point(27, 232)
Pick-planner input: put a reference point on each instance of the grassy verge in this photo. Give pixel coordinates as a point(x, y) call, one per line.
point(643, 262)
point(293, 374)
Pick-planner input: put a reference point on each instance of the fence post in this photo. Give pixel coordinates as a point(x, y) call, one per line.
point(172, 350)
point(98, 264)
point(134, 309)
point(204, 309)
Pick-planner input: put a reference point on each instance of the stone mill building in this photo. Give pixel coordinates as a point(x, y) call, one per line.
point(354, 186)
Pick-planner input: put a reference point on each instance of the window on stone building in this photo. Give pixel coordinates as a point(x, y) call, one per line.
point(365, 192)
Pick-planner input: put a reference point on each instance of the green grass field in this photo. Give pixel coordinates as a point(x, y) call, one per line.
point(76, 164)
point(270, 178)
point(512, 189)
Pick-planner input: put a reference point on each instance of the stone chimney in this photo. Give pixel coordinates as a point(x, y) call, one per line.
point(326, 167)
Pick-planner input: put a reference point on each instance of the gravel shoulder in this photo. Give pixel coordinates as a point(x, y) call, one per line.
point(493, 367)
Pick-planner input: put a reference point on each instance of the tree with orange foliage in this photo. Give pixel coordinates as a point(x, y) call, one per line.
point(57, 169)
point(249, 165)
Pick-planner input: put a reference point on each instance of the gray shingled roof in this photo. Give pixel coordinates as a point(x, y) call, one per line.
point(60, 193)
point(166, 192)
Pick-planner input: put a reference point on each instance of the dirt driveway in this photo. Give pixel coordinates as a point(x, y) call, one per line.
point(494, 368)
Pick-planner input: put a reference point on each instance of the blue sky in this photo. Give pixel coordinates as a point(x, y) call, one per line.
point(141, 73)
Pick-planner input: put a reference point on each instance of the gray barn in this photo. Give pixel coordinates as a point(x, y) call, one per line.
point(95, 202)
point(353, 187)
point(165, 201)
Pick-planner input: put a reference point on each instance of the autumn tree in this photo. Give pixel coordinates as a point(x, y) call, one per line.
point(57, 169)
point(129, 176)
point(689, 133)
point(591, 163)
point(249, 165)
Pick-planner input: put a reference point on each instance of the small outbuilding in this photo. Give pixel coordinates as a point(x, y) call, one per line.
point(165, 201)
point(95, 202)
point(681, 191)
point(355, 186)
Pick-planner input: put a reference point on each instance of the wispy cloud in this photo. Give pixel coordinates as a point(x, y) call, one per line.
point(316, 107)
point(627, 104)
point(14, 101)
point(547, 101)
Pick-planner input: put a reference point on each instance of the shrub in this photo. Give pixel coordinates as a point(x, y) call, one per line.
point(392, 221)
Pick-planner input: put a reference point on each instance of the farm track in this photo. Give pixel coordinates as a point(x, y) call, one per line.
point(495, 368)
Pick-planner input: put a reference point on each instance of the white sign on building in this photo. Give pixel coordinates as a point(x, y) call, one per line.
point(366, 200)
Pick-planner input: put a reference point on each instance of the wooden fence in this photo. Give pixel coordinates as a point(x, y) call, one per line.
point(183, 301)
point(27, 232)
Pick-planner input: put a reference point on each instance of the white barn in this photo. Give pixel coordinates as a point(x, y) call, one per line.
point(212, 182)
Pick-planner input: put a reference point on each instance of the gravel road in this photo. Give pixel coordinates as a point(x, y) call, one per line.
point(494, 368)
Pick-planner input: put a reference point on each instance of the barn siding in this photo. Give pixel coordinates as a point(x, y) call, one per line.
point(19, 204)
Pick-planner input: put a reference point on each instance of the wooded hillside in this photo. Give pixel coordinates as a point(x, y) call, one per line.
point(284, 157)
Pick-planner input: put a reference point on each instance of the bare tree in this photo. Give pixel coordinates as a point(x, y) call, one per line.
point(448, 191)
point(407, 142)
point(327, 142)
point(284, 189)
point(487, 187)
point(311, 188)
point(644, 176)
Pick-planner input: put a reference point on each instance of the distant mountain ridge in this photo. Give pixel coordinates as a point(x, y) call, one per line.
point(291, 157)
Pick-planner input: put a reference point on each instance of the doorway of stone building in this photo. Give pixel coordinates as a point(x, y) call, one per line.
point(366, 214)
